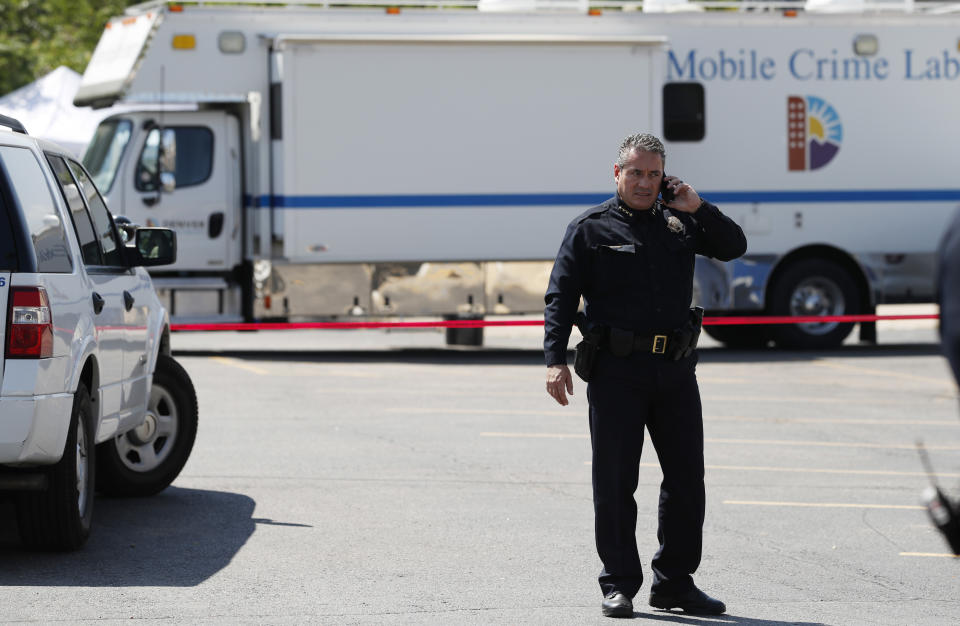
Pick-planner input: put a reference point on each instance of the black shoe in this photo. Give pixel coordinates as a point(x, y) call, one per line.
point(615, 604)
point(693, 601)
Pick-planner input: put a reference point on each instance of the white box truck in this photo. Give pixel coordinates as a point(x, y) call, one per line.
point(373, 161)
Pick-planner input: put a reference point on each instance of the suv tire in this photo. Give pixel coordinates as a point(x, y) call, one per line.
point(144, 461)
point(59, 517)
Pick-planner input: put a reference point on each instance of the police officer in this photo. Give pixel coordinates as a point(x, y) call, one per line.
point(632, 259)
point(948, 294)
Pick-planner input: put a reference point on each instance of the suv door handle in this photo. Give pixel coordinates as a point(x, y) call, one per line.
point(97, 303)
point(127, 300)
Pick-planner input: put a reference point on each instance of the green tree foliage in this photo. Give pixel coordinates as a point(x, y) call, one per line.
point(37, 36)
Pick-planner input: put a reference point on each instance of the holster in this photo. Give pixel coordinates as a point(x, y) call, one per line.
point(587, 350)
point(686, 339)
point(586, 358)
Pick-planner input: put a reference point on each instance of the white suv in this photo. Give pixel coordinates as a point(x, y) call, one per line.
point(89, 395)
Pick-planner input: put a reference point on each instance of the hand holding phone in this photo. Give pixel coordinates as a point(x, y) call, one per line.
point(666, 194)
point(681, 197)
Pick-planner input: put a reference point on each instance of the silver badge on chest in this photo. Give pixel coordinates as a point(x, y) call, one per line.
point(675, 225)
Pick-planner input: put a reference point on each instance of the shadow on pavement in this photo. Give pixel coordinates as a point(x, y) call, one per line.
point(717, 620)
point(177, 538)
point(502, 356)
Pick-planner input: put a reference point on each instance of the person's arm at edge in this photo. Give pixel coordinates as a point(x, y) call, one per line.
point(562, 299)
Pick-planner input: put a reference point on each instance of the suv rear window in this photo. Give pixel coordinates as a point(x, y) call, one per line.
point(89, 248)
point(8, 250)
point(100, 215)
point(31, 192)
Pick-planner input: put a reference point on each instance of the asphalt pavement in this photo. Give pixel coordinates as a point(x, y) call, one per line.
point(372, 477)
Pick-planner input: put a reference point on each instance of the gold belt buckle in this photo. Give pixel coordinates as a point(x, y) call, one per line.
point(659, 344)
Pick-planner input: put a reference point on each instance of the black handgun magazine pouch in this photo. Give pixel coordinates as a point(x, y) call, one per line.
point(585, 359)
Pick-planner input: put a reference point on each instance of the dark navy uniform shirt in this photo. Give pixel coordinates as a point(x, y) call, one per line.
point(632, 268)
point(948, 294)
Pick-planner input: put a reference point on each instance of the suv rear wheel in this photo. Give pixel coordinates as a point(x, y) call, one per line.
point(148, 458)
point(58, 518)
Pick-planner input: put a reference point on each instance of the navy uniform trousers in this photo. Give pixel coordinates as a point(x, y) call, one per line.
point(625, 395)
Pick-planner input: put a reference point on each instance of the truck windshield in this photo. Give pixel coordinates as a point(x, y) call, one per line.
point(105, 150)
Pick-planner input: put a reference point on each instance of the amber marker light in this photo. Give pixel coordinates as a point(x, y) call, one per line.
point(184, 42)
point(393, 10)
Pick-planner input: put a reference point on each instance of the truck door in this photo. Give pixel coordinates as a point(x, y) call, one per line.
point(205, 202)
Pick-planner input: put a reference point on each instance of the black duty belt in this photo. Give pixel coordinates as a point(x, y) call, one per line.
point(674, 345)
point(656, 344)
point(624, 342)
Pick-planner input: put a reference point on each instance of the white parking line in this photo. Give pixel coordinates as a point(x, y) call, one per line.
point(749, 442)
point(811, 470)
point(422, 410)
point(707, 418)
point(826, 444)
point(833, 420)
point(537, 435)
point(827, 505)
point(816, 470)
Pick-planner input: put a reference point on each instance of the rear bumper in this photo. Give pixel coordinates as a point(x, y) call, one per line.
point(33, 430)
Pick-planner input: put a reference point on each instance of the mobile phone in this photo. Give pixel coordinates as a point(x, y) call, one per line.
point(666, 194)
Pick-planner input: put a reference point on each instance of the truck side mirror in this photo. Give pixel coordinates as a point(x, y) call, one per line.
point(156, 246)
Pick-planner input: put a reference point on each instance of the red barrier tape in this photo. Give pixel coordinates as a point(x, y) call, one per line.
point(720, 321)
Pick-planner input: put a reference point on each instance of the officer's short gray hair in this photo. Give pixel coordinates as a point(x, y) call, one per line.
point(642, 142)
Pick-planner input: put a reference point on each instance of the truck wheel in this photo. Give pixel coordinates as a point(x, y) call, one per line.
point(59, 517)
point(739, 336)
point(145, 460)
point(464, 336)
point(814, 287)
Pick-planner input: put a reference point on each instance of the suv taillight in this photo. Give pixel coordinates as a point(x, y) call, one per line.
point(29, 324)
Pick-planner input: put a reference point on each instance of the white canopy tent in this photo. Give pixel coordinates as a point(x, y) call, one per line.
point(45, 108)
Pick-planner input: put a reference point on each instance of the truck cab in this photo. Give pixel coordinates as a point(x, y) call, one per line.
point(180, 170)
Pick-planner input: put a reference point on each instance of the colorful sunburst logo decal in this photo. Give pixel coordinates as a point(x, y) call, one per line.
point(814, 133)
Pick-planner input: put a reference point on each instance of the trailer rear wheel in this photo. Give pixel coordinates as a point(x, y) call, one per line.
point(464, 336)
point(814, 287)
